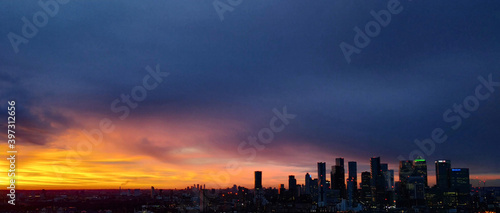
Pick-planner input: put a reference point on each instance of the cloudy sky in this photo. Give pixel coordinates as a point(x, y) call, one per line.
point(227, 76)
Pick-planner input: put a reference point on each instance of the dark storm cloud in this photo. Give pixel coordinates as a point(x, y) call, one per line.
point(38, 123)
point(268, 54)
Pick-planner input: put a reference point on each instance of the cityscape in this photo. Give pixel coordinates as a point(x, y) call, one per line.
point(338, 191)
point(235, 106)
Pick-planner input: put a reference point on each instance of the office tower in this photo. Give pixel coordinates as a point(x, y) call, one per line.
point(282, 189)
point(339, 162)
point(389, 180)
point(258, 180)
point(308, 181)
point(350, 192)
point(460, 183)
point(314, 188)
point(152, 192)
point(420, 168)
point(416, 190)
point(377, 181)
point(388, 196)
point(338, 177)
point(405, 171)
point(383, 168)
point(353, 171)
point(321, 184)
point(332, 177)
point(443, 174)
point(390, 191)
point(353, 177)
point(258, 191)
point(292, 186)
point(366, 187)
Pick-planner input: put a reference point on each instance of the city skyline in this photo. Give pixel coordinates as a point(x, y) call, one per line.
point(298, 177)
point(167, 94)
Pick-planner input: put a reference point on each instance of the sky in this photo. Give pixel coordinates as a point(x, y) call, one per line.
point(229, 78)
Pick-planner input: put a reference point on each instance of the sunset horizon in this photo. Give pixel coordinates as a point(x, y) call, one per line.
point(250, 106)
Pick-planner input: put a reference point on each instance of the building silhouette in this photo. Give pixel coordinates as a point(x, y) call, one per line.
point(308, 181)
point(460, 184)
point(322, 189)
point(443, 174)
point(352, 181)
point(420, 169)
point(338, 177)
point(258, 180)
point(366, 194)
point(292, 187)
point(377, 182)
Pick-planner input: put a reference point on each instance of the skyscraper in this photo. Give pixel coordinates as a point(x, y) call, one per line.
point(339, 162)
point(390, 186)
point(258, 180)
point(405, 171)
point(416, 190)
point(292, 186)
point(321, 184)
point(338, 179)
point(383, 168)
point(353, 177)
point(282, 189)
point(366, 187)
point(377, 181)
point(420, 168)
point(460, 183)
point(403, 191)
point(308, 181)
point(443, 174)
point(389, 180)
point(353, 171)
point(258, 192)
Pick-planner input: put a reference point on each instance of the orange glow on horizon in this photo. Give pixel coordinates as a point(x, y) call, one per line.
point(165, 155)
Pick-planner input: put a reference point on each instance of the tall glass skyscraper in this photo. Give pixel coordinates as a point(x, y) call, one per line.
point(405, 170)
point(352, 182)
point(377, 181)
point(420, 169)
point(322, 184)
point(258, 180)
point(460, 183)
point(308, 186)
point(292, 186)
point(338, 177)
point(443, 174)
point(366, 194)
point(353, 174)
